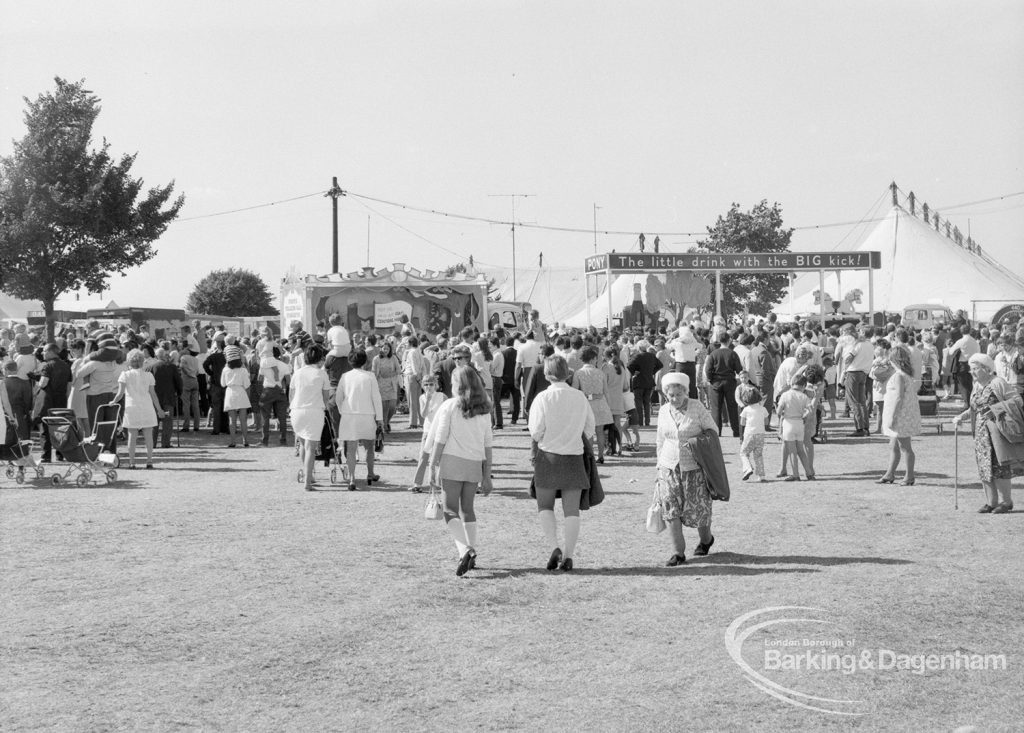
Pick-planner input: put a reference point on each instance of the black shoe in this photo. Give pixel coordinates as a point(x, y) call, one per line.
point(856, 434)
point(465, 562)
point(472, 562)
point(555, 559)
point(885, 480)
point(566, 565)
point(371, 477)
point(676, 560)
point(702, 549)
point(352, 486)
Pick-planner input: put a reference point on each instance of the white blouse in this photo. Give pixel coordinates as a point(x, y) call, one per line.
point(692, 421)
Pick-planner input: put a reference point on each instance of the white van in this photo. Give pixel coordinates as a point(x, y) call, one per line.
point(926, 315)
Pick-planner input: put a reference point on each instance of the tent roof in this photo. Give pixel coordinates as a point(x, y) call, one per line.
point(919, 265)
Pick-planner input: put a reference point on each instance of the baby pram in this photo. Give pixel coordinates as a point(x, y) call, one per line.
point(85, 455)
point(330, 453)
point(18, 455)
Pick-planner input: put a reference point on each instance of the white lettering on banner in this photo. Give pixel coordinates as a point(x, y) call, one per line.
point(291, 308)
point(387, 315)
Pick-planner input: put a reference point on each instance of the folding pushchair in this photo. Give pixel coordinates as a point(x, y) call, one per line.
point(85, 455)
point(330, 453)
point(18, 455)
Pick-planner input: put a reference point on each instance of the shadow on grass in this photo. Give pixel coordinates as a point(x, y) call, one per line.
point(652, 570)
point(735, 557)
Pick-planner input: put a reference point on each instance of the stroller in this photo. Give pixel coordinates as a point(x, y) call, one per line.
point(330, 453)
point(18, 456)
point(85, 455)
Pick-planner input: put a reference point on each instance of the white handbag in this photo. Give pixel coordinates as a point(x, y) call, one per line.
point(655, 522)
point(433, 508)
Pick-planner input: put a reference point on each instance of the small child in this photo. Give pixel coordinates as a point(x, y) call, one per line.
point(430, 401)
point(793, 408)
point(753, 417)
point(815, 391)
point(632, 421)
point(831, 385)
point(881, 370)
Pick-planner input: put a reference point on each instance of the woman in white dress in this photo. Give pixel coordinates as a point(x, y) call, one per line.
point(234, 378)
point(141, 405)
point(362, 412)
point(309, 394)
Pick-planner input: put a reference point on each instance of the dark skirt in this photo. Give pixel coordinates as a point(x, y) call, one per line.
point(553, 471)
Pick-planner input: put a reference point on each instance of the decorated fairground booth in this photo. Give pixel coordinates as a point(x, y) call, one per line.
point(677, 282)
point(382, 299)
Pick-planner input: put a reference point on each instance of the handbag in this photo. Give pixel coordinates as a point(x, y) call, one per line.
point(433, 509)
point(378, 440)
point(655, 522)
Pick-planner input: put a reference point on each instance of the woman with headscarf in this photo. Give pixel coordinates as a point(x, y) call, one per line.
point(988, 390)
point(560, 420)
point(681, 487)
point(901, 415)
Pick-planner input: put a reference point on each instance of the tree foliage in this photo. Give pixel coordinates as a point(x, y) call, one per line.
point(71, 216)
point(231, 292)
point(757, 230)
point(681, 290)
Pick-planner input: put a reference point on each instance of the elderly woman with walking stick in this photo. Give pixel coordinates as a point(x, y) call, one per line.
point(988, 390)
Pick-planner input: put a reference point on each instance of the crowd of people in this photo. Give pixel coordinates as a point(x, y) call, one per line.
point(582, 394)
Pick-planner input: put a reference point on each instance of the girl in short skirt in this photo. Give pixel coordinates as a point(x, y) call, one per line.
point(461, 459)
point(794, 405)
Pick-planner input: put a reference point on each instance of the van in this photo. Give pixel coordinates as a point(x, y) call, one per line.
point(926, 315)
point(508, 315)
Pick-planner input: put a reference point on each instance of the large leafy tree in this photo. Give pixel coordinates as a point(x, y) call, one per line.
point(71, 216)
point(757, 230)
point(231, 292)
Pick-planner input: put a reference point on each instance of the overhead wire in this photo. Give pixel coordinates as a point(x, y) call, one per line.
point(251, 208)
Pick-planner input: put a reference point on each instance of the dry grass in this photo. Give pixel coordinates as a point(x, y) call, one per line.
point(215, 594)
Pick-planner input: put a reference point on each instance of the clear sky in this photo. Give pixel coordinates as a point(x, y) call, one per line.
point(660, 113)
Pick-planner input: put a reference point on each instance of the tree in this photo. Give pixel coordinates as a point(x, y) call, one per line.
point(681, 290)
point(759, 230)
point(71, 216)
point(231, 292)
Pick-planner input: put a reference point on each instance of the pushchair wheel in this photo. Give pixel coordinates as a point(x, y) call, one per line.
point(19, 477)
point(82, 480)
point(56, 479)
point(111, 476)
point(88, 475)
point(10, 472)
point(334, 476)
point(301, 476)
point(40, 472)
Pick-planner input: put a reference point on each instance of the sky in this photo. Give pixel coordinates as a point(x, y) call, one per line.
point(662, 114)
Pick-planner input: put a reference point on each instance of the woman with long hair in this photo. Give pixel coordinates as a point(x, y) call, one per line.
point(560, 420)
point(617, 380)
point(362, 410)
point(388, 371)
point(592, 383)
point(901, 415)
point(461, 459)
point(141, 405)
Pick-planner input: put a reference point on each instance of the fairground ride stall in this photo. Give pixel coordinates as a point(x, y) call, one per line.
point(601, 271)
point(380, 300)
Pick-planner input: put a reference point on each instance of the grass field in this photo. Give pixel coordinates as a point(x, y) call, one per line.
point(213, 593)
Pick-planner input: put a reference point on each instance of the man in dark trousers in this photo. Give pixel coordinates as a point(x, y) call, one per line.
point(168, 390)
point(643, 367)
point(536, 382)
point(720, 370)
point(508, 377)
point(458, 356)
point(54, 382)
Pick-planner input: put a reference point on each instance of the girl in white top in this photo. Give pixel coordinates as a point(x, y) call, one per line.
point(234, 378)
point(309, 392)
point(429, 403)
point(461, 458)
point(141, 405)
point(753, 417)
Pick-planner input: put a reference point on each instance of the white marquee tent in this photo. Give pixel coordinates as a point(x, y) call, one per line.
point(919, 265)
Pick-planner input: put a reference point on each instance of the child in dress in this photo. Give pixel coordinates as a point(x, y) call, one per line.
point(631, 423)
point(831, 385)
point(235, 381)
point(430, 401)
point(753, 418)
point(815, 391)
point(793, 407)
point(881, 370)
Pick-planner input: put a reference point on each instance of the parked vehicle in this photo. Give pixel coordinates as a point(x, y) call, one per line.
point(926, 315)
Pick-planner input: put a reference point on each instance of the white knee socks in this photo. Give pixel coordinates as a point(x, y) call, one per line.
point(547, 523)
point(470, 528)
point(458, 533)
point(572, 533)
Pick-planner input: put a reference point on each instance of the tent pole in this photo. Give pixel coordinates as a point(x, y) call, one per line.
point(821, 296)
point(871, 297)
point(792, 306)
point(718, 292)
point(608, 285)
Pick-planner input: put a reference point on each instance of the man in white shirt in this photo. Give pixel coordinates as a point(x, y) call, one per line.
point(857, 359)
point(339, 341)
point(527, 356)
point(273, 371)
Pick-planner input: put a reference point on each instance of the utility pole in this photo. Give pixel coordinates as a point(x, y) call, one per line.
point(513, 196)
point(333, 193)
point(596, 207)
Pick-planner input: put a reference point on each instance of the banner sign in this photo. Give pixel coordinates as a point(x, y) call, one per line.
point(735, 262)
point(387, 315)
